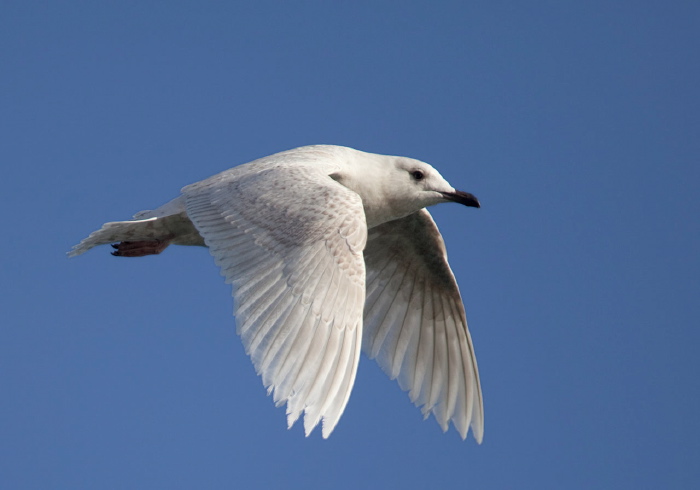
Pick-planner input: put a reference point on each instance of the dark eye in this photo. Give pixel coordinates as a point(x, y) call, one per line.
point(417, 175)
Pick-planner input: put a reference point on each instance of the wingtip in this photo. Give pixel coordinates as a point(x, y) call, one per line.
point(292, 417)
point(327, 428)
point(478, 432)
point(308, 427)
point(479, 438)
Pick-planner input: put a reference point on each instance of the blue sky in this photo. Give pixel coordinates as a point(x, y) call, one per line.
point(575, 123)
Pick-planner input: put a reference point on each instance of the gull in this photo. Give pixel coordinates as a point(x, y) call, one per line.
point(329, 251)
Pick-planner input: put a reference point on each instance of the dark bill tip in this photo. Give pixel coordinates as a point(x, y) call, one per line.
point(462, 198)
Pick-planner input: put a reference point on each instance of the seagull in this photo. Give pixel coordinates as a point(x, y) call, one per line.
point(330, 251)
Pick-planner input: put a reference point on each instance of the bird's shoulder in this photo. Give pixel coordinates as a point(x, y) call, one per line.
point(293, 202)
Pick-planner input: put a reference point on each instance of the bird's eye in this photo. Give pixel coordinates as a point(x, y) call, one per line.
point(417, 175)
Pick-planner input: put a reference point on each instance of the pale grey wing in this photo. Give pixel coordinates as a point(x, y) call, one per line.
point(415, 325)
point(290, 242)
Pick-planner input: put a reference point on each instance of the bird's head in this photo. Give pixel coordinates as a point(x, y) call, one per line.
point(419, 183)
point(393, 187)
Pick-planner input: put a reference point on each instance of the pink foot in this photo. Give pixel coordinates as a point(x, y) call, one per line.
point(139, 249)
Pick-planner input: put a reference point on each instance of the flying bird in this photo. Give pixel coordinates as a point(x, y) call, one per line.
point(330, 251)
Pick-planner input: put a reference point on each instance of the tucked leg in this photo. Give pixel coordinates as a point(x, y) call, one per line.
point(139, 249)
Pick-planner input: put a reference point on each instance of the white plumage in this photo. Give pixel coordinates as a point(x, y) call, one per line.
point(329, 250)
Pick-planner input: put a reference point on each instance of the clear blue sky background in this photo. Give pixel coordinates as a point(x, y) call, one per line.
point(575, 123)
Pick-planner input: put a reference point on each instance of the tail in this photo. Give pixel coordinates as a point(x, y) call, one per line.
point(142, 230)
point(150, 232)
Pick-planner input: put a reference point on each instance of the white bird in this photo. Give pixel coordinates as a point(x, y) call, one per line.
point(328, 249)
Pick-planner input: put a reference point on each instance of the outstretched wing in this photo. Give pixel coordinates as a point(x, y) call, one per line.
point(290, 242)
point(415, 325)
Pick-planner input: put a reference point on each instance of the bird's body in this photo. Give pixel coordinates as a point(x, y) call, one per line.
point(329, 249)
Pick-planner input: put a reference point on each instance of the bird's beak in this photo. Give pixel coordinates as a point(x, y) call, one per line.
point(462, 198)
